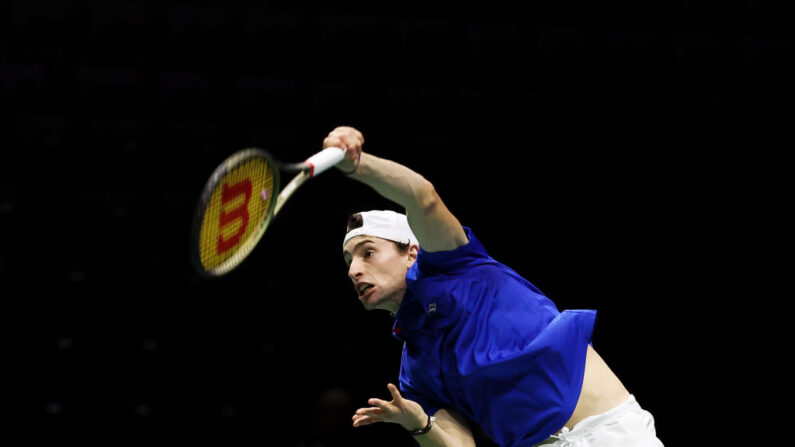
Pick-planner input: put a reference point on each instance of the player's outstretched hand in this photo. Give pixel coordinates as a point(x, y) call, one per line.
point(399, 410)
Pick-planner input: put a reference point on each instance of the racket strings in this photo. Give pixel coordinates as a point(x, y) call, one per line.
point(236, 213)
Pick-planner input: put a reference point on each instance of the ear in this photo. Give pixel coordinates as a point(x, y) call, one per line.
point(412, 254)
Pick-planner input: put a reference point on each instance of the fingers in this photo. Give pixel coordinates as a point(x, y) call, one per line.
point(395, 393)
point(370, 412)
point(381, 410)
point(347, 130)
point(359, 421)
point(346, 138)
point(382, 404)
point(367, 416)
point(351, 141)
point(393, 406)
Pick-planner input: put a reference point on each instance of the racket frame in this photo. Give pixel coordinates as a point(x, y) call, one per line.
point(242, 252)
point(311, 167)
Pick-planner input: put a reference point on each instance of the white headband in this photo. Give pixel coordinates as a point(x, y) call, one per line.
point(386, 225)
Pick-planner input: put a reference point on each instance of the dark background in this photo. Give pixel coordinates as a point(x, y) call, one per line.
point(632, 159)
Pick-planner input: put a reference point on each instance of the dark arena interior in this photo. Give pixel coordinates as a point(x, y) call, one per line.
point(629, 157)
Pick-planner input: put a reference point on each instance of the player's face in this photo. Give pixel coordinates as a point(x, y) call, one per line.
point(378, 271)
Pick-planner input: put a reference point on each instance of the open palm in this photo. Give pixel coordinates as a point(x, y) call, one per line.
point(399, 410)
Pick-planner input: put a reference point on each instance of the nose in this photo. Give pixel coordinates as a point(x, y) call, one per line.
point(355, 270)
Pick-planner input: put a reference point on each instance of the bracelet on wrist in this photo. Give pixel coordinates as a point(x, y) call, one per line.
point(426, 429)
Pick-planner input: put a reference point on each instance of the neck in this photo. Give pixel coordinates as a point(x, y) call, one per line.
point(392, 304)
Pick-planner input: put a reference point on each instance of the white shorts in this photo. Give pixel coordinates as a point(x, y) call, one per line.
point(627, 425)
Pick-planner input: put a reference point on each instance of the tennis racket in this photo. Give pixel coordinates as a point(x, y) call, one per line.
point(240, 200)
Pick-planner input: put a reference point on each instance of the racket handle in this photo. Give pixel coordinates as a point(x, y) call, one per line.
point(324, 159)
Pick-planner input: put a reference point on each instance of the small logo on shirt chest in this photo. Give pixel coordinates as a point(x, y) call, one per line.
point(431, 308)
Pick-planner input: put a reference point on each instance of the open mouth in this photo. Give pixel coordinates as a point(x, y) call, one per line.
point(363, 289)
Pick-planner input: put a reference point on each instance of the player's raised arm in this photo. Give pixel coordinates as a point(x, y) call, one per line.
point(435, 226)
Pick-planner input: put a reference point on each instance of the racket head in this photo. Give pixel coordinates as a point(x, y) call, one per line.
point(233, 211)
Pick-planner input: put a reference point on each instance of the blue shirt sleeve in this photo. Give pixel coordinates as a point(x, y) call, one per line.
point(454, 261)
point(409, 391)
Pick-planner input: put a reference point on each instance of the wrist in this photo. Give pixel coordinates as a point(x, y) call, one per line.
point(425, 429)
point(349, 171)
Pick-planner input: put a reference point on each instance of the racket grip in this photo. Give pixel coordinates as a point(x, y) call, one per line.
point(324, 159)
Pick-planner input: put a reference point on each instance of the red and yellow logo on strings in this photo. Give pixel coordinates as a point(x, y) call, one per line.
point(235, 212)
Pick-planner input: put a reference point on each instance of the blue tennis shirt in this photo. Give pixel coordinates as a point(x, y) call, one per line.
point(484, 341)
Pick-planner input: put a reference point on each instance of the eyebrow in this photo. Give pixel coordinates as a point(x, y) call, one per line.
point(346, 254)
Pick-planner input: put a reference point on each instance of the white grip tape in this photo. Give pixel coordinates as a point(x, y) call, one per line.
point(325, 159)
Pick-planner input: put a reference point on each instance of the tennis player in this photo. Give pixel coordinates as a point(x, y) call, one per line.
point(481, 343)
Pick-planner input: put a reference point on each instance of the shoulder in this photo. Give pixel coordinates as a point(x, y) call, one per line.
point(468, 255)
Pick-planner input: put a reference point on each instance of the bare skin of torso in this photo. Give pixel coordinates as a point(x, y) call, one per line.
point(601, 390)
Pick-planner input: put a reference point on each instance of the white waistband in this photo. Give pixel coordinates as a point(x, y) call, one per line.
point(629, 405)
point(591, 422)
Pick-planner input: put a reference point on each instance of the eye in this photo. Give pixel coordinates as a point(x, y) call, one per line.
point(368, 253)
